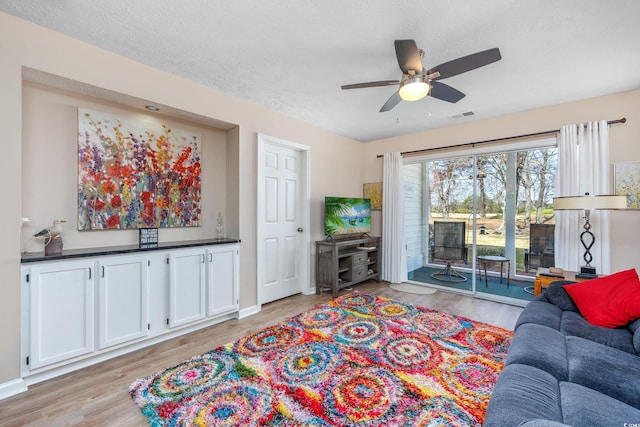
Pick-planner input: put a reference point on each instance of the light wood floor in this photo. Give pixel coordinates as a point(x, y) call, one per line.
point(98, 395)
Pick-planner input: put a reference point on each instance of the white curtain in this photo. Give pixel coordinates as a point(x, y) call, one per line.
point(394, 263)
point(583, 167)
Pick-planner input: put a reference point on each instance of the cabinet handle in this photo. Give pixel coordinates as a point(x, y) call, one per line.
point(203, 258)
point(210, 257)
point(89, 272)
point(102, 271)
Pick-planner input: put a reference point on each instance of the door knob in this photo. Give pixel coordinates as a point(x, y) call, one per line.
point(300, 230)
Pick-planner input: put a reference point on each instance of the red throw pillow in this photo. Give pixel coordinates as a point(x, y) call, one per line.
point(609, 301)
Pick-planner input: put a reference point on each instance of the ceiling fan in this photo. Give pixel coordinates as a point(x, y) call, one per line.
point(418, 82)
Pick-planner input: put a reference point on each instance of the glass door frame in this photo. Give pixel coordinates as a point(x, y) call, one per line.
point(510, 207)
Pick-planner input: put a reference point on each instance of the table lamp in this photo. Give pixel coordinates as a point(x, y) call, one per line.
point(587, 203)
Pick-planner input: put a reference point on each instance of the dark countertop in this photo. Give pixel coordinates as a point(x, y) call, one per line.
point(115, 250)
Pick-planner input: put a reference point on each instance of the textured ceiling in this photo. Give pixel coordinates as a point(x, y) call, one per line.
point(292, 56)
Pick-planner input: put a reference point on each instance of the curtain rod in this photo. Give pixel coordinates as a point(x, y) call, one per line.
point(473, 144)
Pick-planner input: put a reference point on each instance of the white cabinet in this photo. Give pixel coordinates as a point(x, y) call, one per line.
point(77, 312)
point(222, 279)
point(122, 299)
point(61, 311)
point(186, 286)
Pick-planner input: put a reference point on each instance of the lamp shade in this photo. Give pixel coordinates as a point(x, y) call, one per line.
point(414, 88)
point(586, 202)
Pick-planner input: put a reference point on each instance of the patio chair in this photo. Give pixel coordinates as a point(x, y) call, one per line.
point(541, 246)
point(449, 245)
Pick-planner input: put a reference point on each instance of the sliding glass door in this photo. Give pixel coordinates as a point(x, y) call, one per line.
point(496, 206)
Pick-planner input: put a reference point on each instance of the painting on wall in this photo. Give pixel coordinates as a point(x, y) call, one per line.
point(627, 181)
point(373, 191)
point(135, 174)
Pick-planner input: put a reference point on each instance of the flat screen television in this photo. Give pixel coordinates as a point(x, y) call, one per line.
point(344, 215)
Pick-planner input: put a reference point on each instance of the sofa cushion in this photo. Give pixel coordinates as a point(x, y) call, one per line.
point(541, 347)
point(523, 393)
point(634, 327)
point(542, 423)
point(573, 324)
point(558, 296)
point(582, 406)
point(540, 313)
point(609, 301)
point(604, 369)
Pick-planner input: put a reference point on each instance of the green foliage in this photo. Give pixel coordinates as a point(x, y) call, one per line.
point(489, 250)
point(466, 206)
point(548, 212)
point(498, 250)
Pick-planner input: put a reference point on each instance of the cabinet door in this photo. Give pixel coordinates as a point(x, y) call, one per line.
point(61, 312)
point(122, 299)
point(186, 286)
point(222, 280)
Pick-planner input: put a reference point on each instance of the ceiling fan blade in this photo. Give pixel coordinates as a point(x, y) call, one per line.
point(371, 84)
point(391, 102)
point(445, 92)
point(466, 63)
point(408, 56)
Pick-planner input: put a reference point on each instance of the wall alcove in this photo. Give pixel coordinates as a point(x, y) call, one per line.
point(49, 160)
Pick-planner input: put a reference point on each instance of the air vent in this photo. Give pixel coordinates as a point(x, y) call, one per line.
point(461, 115)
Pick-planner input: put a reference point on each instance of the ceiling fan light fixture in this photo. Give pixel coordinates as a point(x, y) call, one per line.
point(414, 88)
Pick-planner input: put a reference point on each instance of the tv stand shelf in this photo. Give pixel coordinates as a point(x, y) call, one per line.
point(346, 262)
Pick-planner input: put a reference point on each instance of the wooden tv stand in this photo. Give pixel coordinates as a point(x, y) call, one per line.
point(345, 262)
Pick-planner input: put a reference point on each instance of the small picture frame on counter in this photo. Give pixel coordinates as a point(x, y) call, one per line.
point(148, 238)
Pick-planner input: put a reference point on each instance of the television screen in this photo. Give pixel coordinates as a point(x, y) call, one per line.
point(346, 215)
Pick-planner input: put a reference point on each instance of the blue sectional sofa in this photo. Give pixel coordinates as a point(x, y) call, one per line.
point(563, 370)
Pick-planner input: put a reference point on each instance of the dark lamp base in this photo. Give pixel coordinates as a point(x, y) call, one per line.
point(588, 270)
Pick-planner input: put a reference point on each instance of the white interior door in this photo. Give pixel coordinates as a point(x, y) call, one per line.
point(283, 200)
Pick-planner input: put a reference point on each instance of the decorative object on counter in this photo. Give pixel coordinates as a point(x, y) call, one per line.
point(148, 238)
point(219, 227)
point(134, 174)
point(52, 238)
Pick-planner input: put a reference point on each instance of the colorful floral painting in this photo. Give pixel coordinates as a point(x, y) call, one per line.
point(134, 174)
point(627, 182)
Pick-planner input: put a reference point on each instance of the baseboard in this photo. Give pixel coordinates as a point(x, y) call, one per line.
point(249, 311)
point(11, 388)
point(55, 370)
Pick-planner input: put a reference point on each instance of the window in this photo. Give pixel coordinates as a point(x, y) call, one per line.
point(501, 197)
